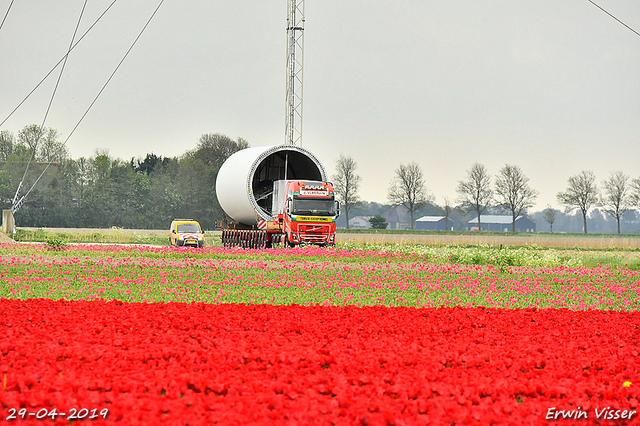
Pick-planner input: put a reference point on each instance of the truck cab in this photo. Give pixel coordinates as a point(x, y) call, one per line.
point(309, 213)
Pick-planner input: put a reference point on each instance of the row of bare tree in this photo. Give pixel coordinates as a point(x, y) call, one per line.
point(103, 191)
point(476, 194)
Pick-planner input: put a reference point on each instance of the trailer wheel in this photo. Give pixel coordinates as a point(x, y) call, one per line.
point(276, 240)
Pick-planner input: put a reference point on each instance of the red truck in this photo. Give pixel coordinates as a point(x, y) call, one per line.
point(304, 212)
point(309, 214)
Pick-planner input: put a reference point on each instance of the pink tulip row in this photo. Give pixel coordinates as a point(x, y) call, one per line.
point(139, 275)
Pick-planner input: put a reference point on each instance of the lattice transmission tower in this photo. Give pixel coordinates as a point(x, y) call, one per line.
point(295, 54)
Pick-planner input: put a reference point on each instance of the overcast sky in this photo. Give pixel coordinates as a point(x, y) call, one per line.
point(552, 86)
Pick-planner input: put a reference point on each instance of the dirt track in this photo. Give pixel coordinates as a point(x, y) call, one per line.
point(596, 242)
point(543, 240)
point(104, 231)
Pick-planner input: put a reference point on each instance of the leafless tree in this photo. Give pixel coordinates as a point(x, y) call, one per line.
point(475, 194)
point(345, 183)
point(446, 210)
point(581, 193)
point(615, 200)
point(513, 192)
point(634, 198)
point(408, 189)
point(550, 217)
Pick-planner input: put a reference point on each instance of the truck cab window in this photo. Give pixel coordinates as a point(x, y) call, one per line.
point(314, 206)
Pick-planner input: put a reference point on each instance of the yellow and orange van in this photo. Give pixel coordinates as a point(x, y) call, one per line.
point(186, 232)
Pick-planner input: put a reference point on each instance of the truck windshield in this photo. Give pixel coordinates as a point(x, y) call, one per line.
point(314, 206)
point(188, 227)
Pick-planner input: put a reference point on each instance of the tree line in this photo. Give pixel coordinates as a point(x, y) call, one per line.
point(510, 193)
point(101, 191)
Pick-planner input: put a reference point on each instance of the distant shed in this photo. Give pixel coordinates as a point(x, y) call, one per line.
point(360, 222)
point(501, 223)
point(434, 223)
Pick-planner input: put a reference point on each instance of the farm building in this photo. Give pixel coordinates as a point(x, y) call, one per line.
point(501, 223)
point(397, 217)
point(360, 222)
point(434, 223)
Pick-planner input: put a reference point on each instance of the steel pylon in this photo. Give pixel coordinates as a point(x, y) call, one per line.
point(295, 54)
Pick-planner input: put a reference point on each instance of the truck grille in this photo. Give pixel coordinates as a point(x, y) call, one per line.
point(313, 234)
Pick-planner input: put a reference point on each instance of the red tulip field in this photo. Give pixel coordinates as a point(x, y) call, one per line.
point(131, 335)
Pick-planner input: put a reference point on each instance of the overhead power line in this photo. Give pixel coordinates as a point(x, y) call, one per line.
point(55, 89)
point(114, 71)
point(58, 63)
point(21, 201)
point(6, 14)
point(46, 114)
point(596, 5)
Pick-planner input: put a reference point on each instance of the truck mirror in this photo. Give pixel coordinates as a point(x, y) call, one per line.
point(288, 208)
point(337, 208)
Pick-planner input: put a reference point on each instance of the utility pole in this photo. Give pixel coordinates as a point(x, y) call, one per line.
point(295, 53)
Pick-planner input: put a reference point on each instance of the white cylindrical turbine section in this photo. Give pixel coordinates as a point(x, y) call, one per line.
point(244, 185)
